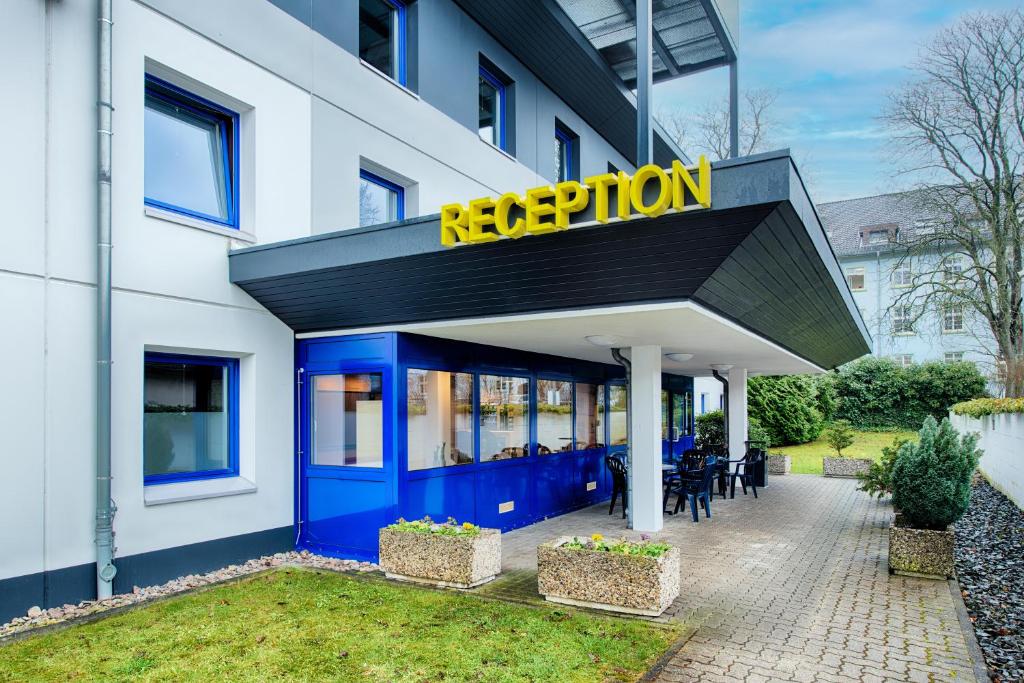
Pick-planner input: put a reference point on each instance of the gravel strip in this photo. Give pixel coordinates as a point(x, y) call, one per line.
point(37, 617)
point(990, 568)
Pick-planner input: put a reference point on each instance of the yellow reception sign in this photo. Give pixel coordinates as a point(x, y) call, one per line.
point(650, 192)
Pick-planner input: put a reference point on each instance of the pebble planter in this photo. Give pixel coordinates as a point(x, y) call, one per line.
point(461, 561)
point(921, 552)
point(779, 464)
point(629, 584)
point(845, 467)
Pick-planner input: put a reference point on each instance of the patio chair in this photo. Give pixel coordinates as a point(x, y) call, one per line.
point(696, 489)
point(745, 471)
point(618, 470)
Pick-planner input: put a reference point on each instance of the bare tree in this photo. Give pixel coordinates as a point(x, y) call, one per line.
point(962, 120)
point(707, 131)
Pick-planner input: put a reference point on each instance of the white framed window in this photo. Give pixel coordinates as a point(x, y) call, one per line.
point(875, 236)
point(855, 277)
point(953, 318)
point(953, 268)
point(904, 360)
point(953, 356)
point(902, 277)
point(902, 320)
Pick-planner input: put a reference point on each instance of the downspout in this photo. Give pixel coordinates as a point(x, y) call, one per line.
point(725, 406)
point(624, 362)
point(105, 508)
point(878, 303)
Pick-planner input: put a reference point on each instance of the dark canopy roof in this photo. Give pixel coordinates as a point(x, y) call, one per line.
point(759, 257)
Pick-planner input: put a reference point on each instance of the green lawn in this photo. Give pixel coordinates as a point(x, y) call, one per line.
point(297, 624)
point(807, 457)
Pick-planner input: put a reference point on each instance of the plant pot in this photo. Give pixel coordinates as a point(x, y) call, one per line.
point(462, 561)
point(920, 552)
point(779, 464)
point(845, 467)
point(629, 584)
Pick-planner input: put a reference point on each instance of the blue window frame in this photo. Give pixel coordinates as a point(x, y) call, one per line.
point(190, 418)
point(382, 36)
point(191, 154)
point(565, 151)
point(493, 119)
point(380, 200)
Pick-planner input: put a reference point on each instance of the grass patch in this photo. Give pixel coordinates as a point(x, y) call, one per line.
point(297, 624)
point(807, 457)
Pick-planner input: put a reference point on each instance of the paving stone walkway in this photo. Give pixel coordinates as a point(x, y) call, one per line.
point(793, 586)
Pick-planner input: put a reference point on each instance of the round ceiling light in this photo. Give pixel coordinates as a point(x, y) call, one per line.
point(605, 340)
point(679, 357)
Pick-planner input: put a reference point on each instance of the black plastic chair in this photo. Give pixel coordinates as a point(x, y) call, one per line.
point(745, 469)
point(694, 489)
point(618, 470)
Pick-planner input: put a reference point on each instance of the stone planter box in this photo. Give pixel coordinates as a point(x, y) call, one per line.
point(845, 467)
point(439, 560)
point(779, 464)
point(610, 581)
point(920, 552)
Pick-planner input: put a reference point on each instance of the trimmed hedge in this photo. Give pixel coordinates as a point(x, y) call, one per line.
point(980, 407)
point(710, 429)
point(875, 393)
point(787, 408)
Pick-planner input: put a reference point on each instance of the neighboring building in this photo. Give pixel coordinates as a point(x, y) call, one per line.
point(296, 358)
point(866, 235)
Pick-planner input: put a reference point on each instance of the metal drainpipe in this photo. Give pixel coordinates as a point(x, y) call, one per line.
point(105, 508)
point(624, 362)
point(725, 407)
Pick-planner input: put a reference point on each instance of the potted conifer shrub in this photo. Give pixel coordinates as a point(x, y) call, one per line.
point(447, 555)
point(931, 487)
point(839, 436)
point(631, 577)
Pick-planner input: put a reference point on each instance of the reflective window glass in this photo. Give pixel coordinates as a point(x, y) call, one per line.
point(504, 417)
point(348, 420)
point(617, 416)
point(380, 201)
point(439, 412)
point(589, 416)
point(554, 416)
point(380, 36)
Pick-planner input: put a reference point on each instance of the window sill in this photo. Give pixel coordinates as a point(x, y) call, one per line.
point(904, 334)
point(856, 289)
point(178, 492)
point(389, 79)
point(199, 224)
point(497, 149)
point(953, 332)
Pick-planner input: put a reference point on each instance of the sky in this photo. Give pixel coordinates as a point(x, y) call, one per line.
point(832, 64)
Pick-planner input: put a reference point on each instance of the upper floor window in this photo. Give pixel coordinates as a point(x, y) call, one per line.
point(494, 118)
point(382, 32)
point(191, 154)
point(953, 356)
point(952, 268)
point(902, 277)
point(380, 200)
point(904, 360)
point(874, 236)
point(902, 320)
point(953, 318)
point(855, 277)
point(566, 154)
point(190, 418)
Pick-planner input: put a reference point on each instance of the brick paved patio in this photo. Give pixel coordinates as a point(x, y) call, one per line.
point(790, 587)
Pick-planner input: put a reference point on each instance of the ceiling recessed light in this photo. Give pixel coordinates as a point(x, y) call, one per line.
point(721, 367)
point(679, 357)
point(605, 340)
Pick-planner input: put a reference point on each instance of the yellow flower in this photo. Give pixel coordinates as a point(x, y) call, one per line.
point(596, 538)
point(467, 526)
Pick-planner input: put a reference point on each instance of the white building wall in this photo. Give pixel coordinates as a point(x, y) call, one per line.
point(1002, 440)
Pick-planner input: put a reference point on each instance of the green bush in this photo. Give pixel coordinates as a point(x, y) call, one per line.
point(873, 393)
point(710, 429)
point(931, 480)
point(877, 481)
point(787, 408)
point(839, 435)
point(758, 434)
point(980, 407)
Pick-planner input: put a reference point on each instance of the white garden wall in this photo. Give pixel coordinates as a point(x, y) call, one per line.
point(1002, 440)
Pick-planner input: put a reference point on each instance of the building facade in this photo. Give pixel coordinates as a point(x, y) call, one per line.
point(866, 234)
point(296, 355)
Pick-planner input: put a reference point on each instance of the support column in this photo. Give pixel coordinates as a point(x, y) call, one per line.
point(734, 110)
point(737, 412)
point(645, 450)
point(644, 83)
